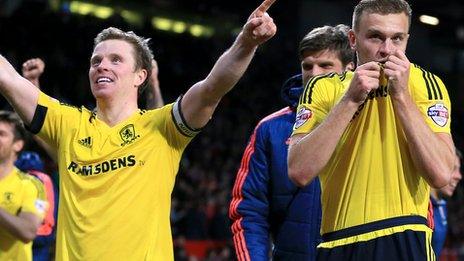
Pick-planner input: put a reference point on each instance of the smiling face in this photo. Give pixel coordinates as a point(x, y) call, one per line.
point(379, 35)
point(112, 71)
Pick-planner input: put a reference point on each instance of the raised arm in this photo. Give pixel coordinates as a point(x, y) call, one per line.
point(433, 153)
point(19, 92)
point(309, 153)
point(200, 101)
point(32, 70)
point(153, 92)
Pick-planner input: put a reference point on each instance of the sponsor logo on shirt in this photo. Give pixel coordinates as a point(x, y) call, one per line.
point(86, 142)
point(439, 114)
point(102, 167)
point(302, 116)
point(128, 134)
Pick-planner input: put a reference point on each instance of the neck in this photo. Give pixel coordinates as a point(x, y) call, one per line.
point(6, 167)
point(112, 113)
point(434, 194)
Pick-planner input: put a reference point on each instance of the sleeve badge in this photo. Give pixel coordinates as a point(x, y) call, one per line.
point(302, 116)
point(439, 114)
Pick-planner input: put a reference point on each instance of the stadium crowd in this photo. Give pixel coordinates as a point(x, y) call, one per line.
point(201, 195)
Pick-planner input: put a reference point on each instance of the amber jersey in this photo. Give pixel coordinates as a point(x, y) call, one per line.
point(20, 192)
point(371, 175)
point(115, 182)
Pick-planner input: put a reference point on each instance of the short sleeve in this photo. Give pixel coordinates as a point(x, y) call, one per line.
point(52, 118)
point(315, 103)
point(432, 99)
point(34, 200)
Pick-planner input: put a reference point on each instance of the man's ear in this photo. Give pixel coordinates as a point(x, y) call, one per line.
point(352, 39)
point(18, 146)
point(140, 77)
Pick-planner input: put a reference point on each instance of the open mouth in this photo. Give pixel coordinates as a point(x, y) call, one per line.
point(103, 80)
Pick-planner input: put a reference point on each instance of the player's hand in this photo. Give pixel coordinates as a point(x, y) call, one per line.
point(32, 69)
point(397, 72)
point(365, 80)
point(260, 26)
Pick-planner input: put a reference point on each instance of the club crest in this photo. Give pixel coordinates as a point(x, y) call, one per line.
point(128, 134)
point(7, 198)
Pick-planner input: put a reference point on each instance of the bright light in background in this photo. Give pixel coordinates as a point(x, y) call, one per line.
point(132, 17)
point(427, 19)
point(161, 23)
point(200, 30)
point(81, 8)
point(179, 27)
point(196, 30)
point(136, 18)
point(103, 12)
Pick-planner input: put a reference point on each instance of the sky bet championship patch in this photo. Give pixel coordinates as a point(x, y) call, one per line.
point(439, 114)
point(302, 116)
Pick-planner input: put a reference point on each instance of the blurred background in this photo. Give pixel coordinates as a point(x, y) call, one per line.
point(187, 37)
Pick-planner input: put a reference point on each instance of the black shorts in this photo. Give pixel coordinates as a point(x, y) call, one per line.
point(405, 245)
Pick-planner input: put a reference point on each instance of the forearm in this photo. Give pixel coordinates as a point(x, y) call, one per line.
point(19, 92)
point(17, 226)
point(228, 69)
point(310, 154)
point(200, 101)
point(432, 153)
point(35, 82)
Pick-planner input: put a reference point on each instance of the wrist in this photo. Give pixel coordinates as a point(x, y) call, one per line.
point(36, 83)
point(400, 97)
point(245, 44)
point(350, 104)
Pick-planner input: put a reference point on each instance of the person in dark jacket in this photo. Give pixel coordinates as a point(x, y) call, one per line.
point(439, 198)
point(267, 209)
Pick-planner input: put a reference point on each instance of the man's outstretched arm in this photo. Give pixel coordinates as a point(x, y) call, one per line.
point(200, 101)
point(19, 92)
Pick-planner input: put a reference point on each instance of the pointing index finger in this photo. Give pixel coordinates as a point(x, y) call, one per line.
point(265, 5)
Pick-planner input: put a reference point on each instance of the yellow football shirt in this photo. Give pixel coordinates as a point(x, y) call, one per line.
point(115, 182)
point(19, 192)
point(371, 175)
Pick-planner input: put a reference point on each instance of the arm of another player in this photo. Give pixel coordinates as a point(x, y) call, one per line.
point(249, 208)
point(23, 226)
point(309, 153)
point(200, 101)
point(433, 153)
point(19, 92)
point(153, 92)
point(32, 70)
